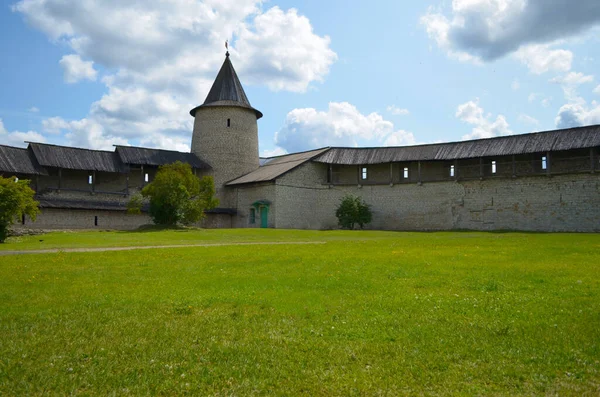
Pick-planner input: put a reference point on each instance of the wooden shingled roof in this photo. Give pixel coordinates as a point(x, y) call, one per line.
point(72, 158)
point(37, 156)
point(144, 156)
point(275, 167)
point(16, 160)
point(46, 202)
point(227, 90)
point(540, 142)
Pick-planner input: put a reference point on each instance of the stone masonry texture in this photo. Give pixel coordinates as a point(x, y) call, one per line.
point(51, 218)
point(230, 151)
point(568, 202)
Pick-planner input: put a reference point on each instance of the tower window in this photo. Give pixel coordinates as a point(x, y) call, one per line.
point(228, 123)
point(494, 167)
point(405, 172)
point(452, 171)
point(544, 163)
point(364, 173)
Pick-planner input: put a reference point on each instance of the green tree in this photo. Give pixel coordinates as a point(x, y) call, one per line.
point(176, 195)
point(353, 211)
point(16, 200)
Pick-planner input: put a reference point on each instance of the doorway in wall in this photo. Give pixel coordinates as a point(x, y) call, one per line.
point(264, 217)
point(262, 209)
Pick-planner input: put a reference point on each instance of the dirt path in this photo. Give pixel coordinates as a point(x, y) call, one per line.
point(105, 249)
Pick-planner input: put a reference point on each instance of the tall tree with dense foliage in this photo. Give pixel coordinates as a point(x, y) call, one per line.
point(353, 211)
point(16, 200)
point(176, 196)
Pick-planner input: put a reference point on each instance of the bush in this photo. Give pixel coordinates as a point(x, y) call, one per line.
point(16, 200)
point(176, 196)
point(352, 211)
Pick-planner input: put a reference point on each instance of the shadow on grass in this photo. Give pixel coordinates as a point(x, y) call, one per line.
point(185, 229)
point(160, 228)
point(431, 231)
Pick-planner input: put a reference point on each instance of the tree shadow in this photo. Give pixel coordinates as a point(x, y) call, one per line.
point(161, 228)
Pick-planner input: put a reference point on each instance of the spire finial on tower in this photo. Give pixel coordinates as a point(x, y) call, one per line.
point(227, 47)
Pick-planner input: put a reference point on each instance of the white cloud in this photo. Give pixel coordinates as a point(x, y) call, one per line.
point(577, 111)
point(18, 138)
point(578, 114)
point(397, 111)
point(54, 125)
point(283, 52)
point(399, 138)
point(515, 85)
point(163, 57)
point(75, 69)
point(597, 90)
point(535, 95)
point(33, 109)
point(87, 133)
point(573, 78)
point(527, 119)
point(540, 58)
point(483, 124)
point(341, 125)
point(570, 83)
point(546, 102)
point(273, 152)
point(438, 27)
point(487, 30)
point(82, 133)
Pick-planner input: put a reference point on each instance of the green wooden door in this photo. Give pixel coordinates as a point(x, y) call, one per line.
point(264, 217)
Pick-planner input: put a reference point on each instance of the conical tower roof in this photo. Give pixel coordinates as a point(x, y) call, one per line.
point(227, 91)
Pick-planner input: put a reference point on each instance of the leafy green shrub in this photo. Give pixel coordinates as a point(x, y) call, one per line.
point(353, 211)
point(16, 200)
point(176, 196)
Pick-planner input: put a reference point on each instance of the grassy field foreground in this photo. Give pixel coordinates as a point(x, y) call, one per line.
point(365, 313)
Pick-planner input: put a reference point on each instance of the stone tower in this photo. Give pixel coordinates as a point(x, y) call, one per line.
point(226, 131)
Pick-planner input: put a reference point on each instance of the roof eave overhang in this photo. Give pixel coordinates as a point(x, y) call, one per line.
point(258, 113)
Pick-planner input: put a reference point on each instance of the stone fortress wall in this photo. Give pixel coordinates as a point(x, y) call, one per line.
point(74, 188)
point(227, 139)
point(556, 189)
point(307, 196)
point(58, 218)
point(567, 202)
point(248, 195)
point(302, 199)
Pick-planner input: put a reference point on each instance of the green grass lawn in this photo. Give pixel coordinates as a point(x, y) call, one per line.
point(157, 237)
point(366, 313)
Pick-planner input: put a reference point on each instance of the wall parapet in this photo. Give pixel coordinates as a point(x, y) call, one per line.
point(398, 173)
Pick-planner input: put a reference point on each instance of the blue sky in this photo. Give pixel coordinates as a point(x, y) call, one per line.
point(98, 73)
